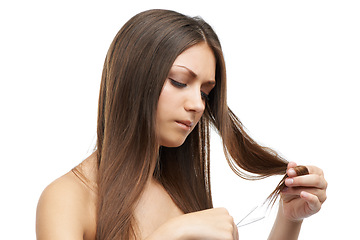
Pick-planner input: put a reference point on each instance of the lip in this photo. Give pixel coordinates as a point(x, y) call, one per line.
point(185, 124)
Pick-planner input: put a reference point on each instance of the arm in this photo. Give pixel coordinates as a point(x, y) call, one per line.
point(302, 198)
point(284, 228)
point(211, 224)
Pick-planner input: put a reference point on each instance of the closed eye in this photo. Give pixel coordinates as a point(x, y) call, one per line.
point(177, 84)
point(182, 85)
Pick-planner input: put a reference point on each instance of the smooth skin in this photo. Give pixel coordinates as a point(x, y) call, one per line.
point(67, 207)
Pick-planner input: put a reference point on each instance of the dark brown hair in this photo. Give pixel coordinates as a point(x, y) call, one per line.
point(136, 66)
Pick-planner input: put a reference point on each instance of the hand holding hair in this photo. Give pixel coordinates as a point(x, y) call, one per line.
point(303, 194)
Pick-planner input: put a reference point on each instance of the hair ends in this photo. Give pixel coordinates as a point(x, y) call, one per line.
point(271, 199)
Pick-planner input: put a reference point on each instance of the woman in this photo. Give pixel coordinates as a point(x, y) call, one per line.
point(163, 85)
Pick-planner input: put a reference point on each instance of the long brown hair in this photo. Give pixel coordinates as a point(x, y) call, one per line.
point(136, 66)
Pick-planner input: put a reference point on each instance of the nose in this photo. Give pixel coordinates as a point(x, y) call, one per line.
point(194, 102)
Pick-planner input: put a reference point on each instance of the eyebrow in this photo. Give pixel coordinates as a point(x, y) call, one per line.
point(194, 75)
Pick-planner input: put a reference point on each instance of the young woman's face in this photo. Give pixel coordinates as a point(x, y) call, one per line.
point(183, 96)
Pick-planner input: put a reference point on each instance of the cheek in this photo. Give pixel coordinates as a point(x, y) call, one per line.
point(197, 118)
point(167, 100)
point(165, 93)
point(164, 107)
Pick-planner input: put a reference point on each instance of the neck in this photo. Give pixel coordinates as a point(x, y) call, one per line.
point(154, 171)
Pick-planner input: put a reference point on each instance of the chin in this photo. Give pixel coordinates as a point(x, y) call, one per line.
point(171, 143)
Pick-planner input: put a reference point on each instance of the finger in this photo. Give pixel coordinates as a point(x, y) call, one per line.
point(311, 180)
point(291, 172)
point(312, 201)
point(291, 165)
point(236, 232)
point(312, 170)
point(293, 192)
point(315, 170)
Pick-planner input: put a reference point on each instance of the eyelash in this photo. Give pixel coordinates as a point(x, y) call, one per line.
point(182, 85)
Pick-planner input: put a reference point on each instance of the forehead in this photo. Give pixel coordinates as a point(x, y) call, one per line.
point(199, 59)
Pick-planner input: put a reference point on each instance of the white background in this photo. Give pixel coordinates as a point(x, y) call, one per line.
point(293, 79)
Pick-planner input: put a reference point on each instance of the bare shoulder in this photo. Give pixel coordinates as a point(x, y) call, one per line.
point(66, 210)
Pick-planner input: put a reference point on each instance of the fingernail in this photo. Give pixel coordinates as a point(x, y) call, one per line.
point(289, 181)
point(291, 171)
point(304, 194)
